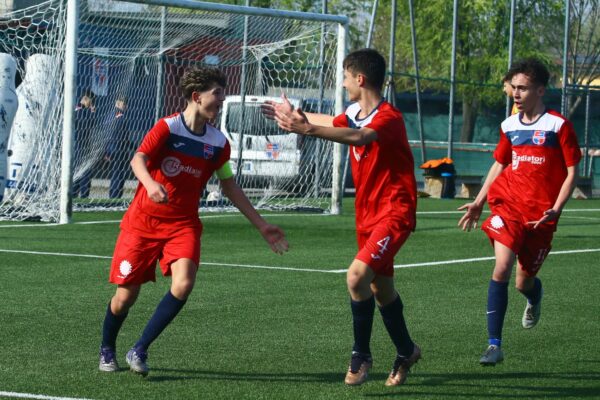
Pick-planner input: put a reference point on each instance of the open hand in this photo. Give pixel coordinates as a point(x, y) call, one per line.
point(270, 108)
point(549, 215)
point(471, 218)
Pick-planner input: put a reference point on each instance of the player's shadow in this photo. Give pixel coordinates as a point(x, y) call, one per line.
point(557, 385)
point(173, 374)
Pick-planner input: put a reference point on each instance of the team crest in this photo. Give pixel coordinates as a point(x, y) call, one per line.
point(209, 151)
point(539, 137)
point(272, 151)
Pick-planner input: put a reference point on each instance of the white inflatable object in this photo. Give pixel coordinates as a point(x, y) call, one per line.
point(8, 108)
point(35, 95)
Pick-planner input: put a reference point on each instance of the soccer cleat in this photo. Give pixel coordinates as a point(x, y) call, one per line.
point(136, 359)
point(492, 355)
point(358, 370)
point(108, 360)
point(402, 367)
point(531, 315)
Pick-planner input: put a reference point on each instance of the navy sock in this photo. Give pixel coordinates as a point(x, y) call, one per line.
point(362, 321)
point(166, 310)
point(110, 328)
point(393, 319)
point(535, 294)
point(496, 309)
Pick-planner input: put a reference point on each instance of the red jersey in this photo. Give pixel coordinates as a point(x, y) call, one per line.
point(182, 161)
point(537, 156)
point(383, 170)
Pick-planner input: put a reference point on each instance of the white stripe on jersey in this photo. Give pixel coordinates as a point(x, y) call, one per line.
point(352, 113)
point(213, 136)
point(547, 123)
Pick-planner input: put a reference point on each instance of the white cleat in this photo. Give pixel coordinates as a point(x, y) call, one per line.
point(492, 356)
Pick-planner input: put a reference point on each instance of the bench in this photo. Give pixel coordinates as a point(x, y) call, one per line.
point(583, 188)
point(470, 185)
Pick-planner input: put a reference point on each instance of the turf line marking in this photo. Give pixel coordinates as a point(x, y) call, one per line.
point(331, 271)
point(47, 253)
point(470, 260)
point(37, 396)
point(116, 221)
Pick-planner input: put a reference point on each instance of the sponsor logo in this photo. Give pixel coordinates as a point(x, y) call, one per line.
point(513, 138)
point(172, 166)
point(525, 158)
point(178, 145)
point(539, 137)
point(125, 268)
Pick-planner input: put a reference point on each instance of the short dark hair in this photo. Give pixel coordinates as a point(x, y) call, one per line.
point(535, 70)
point(201, 79)
point(369, 63)
point(507, 77)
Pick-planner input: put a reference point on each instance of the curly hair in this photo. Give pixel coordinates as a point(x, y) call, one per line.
point(533, 68)
point(201, 79)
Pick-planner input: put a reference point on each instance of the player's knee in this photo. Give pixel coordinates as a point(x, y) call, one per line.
point(121, 304)
point(356, 282)
point(182, 288)
point(502, 273)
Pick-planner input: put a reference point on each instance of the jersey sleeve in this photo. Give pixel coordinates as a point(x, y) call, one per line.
point(503, 152)
point(389, 127)
point(340, 121)
point(569, 145)
point(154, 139)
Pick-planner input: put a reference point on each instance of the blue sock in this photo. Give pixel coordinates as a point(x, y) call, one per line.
point(535, 294)
point(393, 319)
point(110, 328)
point(496, 309)
point(362, 322)
point(166, 310)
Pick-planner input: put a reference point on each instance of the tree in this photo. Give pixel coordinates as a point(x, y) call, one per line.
point(584, 45)
point(482, 48)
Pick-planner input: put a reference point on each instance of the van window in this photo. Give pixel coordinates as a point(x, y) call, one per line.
point(254, 122)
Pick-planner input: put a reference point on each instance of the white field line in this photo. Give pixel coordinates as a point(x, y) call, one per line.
point(233, 215)
point(335, 271)
point(36, 396)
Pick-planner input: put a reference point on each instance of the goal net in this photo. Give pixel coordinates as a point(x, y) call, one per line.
point(130, 57)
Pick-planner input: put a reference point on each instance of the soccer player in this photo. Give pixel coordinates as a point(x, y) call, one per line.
point(85, 126)
point(173, 163)
point(118, 150)
point(386, 197)
point(532, 178)
point(507, 89)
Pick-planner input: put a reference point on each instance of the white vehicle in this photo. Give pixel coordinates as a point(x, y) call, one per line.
point(267, 151)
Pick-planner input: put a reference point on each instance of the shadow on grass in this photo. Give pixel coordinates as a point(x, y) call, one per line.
point(172, 374)
point(500, 385)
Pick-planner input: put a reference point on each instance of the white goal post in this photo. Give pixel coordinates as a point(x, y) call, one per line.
point(93, 76)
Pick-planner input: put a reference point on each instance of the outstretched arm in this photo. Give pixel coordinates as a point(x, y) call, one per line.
point(270, 108)
point(271, 233)
point(473, 210)
point(318, 125)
